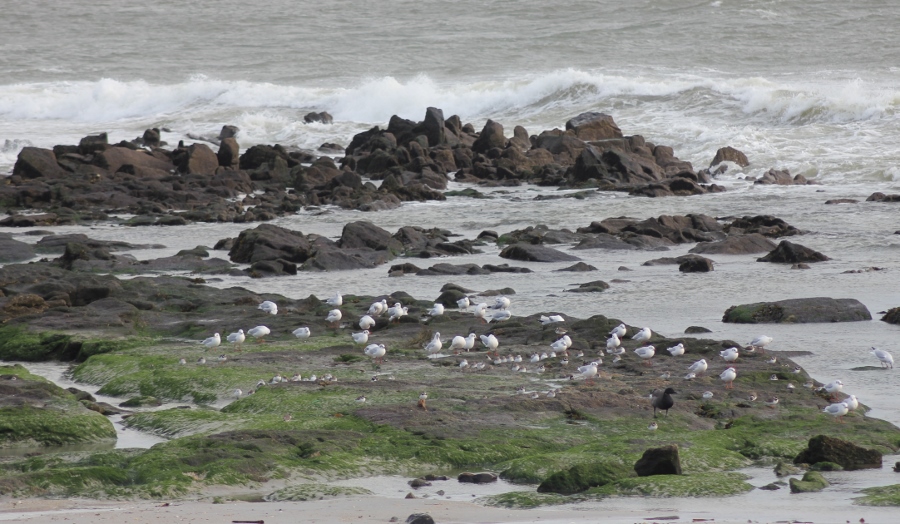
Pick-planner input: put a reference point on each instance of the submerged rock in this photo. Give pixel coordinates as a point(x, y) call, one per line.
point(812, 481)
point(799, 311)
point(790, 253)
point(892, 316)
point(536, 253)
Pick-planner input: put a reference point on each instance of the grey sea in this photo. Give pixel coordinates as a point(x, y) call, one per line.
point(810, 87)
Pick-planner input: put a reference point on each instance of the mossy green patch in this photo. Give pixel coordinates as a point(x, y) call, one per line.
point(811, 482)
point(312, 491)
point(583, 476)
point(18, 343)
point(713, 484)
point(528, 499)
point(53, 426)
point(880, 496)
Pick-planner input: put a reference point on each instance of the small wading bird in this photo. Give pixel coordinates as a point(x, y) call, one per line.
point(423, 396)
point(268, 307)
point(662, 400)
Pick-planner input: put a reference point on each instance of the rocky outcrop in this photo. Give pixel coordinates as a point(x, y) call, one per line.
point(583, 477)
point(881, 197)
point(782, 177)
point(823, 448)
point(892, 316)
point(811, 482)
point(12, 250)
point(595, 286)
point(799, 311)
point(729, 154)
point(790, 253)
point(659, 461)
point(535, 253)
point(736, 245)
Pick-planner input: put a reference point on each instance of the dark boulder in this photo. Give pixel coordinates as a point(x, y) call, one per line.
point(491, 136)
point(434, 128)
point(419, 518)
point(696, 329)
point(229, 155)
point(269, 242)
point(892, 316)
point(595, 286)
point(799, 311)
point(729, 154)
point(477, 478)
point(93, 144)
point(322, 117)
point(114, 158)
point(364, 234)
point(823, 448)
point(12, 250)
point(790, 253)
point(34, 162)
point(766, 225)
point(579, 267)
point(696, 264)
point(594, 126)
point(659, 461)
point(736, 245)
point(535, 253)
point(881, 197)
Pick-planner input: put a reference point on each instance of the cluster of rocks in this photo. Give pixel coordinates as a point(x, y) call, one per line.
point(96, 179)
point(591, 152)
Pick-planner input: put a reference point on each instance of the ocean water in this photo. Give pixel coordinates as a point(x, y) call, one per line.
point(809, 86)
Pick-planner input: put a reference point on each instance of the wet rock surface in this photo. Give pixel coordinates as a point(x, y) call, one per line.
point(823, 448)
point(799, 310)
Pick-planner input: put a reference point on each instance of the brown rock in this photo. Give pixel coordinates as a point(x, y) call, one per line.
point(730, 154)
point(594, 126)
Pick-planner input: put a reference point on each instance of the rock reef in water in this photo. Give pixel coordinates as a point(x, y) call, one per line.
point(799, 311)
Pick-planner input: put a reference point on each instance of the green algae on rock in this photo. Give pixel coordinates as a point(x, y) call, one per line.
point(314, 491)
point(880, 496)
point(583, 477)
point(812, 481)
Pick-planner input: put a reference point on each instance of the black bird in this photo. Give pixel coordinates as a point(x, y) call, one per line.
point(662, 400)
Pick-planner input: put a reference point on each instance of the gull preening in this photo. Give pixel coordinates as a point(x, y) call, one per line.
point(259, 332)
point(677, 350)
point(212, 341)
point(552, 319)
point(378, 308)
point(436, 311)
point(366, 322)
point(612, 342)
point(498, 316)
point(838, 409)
point(334, 317)
point(301, 332)
point(728, 377)
point(642, 336)
point(396, 311)
point(887, 361)
point(501, 303)
point(434, 346)
point(459, 343)
point(481, 311)
point(563, 343)
point(376, 351)
point(490, 342)
point(269, 307)
point(336, 301)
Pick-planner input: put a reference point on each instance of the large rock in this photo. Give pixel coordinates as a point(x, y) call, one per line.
point(736, 245)
point(113, 158)
point(269, 242)
point(229, 154)
point(419, 518)
point(435, 131)
point(729, 154)
point(491, 137)
point(799, 311)
point(582, 477)
point(34, 162)
point(790, 253)
point(12, 250)
point(659, 461)
point(594, 126)
point(696, 264)
point(198, 159)
point(812, 482)
point(823, 448)
point(535, 253)
point(363, 234)
point(892, 316)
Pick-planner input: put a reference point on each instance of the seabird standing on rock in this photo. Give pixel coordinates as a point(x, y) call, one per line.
point(834, 388)
point(677, 350)
point(551, 319)
point(436, 310)
point(463, 304)
point(336, 301)
point(838, 410)
point(498, 316)
point(237, 338)
point(852, 402)
point(662, 400)
point(259, 332)
point(212, 341)
point(729, 355)
point(887, 361)
point(612, 343)
point(728, 377)
point(698, 367)
point(642, 336)
point(396, 311)
point(646, 353)
point(435, 345)
point(301, 332)
point(269, 307)
point(376, 351)
point(619, 331)
point(761, 342)
point(490, 342)
point(378, 308)
point(589, 371)
point(360, 338)
point(501, 303)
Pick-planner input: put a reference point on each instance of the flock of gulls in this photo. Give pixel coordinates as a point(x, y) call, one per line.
point(660, 399)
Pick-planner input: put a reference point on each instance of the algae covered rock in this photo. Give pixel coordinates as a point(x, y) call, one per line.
point(798, 311)
point(36, 412)
point(892, 316)
point(583, 477)
point(880, 496)
point(823, 448)
point(812, 481)
point(659, 461)
point(783, 469)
